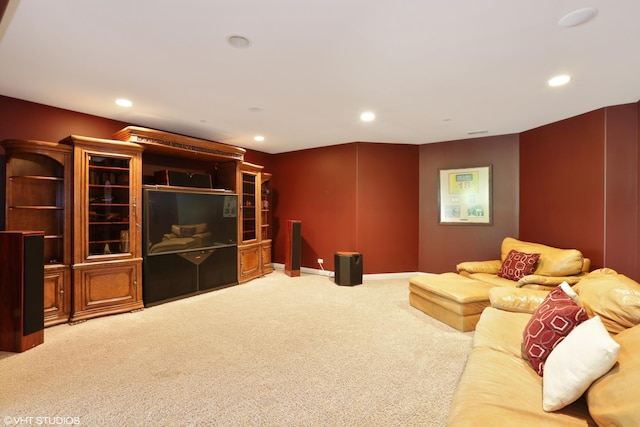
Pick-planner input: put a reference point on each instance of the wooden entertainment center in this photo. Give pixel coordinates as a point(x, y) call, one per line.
point(86, 194)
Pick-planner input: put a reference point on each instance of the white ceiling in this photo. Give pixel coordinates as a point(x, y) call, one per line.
point(431, 70)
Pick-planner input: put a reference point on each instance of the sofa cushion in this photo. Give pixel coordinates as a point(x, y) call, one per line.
point(520, 300)
point(586, 354)
point(492, 333)
point(552, 321)
point(612, 296)
point(551, 281)
point(613, 399)
point(517, 265)
point(500, 389)
point(552, 262)
point(493, 279)
point(491, 266)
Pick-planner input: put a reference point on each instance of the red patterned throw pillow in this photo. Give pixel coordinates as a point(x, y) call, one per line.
point(556, 316)
point(517, 265)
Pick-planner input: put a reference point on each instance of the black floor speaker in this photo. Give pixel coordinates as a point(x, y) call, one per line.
point(293, 248)
point(21, 290)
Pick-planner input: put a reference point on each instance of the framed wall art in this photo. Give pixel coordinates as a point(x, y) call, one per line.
point(464, 195)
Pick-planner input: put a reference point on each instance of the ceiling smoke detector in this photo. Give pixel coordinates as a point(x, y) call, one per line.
point(578, 17)
point(239, 42)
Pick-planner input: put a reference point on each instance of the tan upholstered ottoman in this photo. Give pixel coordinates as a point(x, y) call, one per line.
point(453, 299)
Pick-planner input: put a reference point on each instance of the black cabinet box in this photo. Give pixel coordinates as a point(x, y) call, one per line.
point(183, 179)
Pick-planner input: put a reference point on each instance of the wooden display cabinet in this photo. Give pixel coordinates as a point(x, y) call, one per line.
point(249, 222)
point(107, 251)
point(254, 222)
point(38, 195)
point(265, 222)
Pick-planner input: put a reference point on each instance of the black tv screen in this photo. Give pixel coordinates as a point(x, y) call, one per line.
point(179, 220)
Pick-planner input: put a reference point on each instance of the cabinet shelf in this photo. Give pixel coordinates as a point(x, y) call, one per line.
point(102, 242)
point(38, 177)
point(102, 186)
point(38, 207)
point(109, 168)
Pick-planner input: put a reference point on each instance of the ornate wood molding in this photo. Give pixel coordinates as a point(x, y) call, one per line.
point(174, 144)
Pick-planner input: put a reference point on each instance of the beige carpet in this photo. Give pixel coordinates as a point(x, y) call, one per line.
point(277, 351)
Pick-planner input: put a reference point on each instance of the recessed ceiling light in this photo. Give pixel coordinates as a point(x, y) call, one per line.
point(578, 17)
point(238, 41)
point(367, 116)
point(124, 102)
point(559, 80)
point(258, 138)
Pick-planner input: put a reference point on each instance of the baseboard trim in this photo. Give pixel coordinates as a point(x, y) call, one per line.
point(374, 276)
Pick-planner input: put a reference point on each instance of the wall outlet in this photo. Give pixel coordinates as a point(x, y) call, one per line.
point(320, 261)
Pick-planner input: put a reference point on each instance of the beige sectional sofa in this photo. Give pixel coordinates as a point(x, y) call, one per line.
point(554, 266)
point(459, 299)
point(499, 388)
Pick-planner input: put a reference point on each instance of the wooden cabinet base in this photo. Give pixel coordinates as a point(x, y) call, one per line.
point(249, 262)
point(106, 288)
point(267, 266)
point(57, 297)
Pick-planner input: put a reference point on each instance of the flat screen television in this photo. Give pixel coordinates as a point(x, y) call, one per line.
point(187, 220)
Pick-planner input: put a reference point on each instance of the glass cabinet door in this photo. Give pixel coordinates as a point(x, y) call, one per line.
point(109, 207)
point(248, 207)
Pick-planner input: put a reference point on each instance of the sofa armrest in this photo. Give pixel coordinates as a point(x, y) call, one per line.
point(519, 300)
point(491, 267)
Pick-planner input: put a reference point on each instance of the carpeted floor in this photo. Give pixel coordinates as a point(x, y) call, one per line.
point(277, 351)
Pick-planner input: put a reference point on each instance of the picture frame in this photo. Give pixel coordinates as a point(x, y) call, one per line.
point(464, 196)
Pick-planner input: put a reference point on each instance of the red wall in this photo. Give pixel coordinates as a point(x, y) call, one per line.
point(387, 207)
point(444, 246)
point(621, 189)
point(578, 186)
point(27, 120)
point(562, 184)
point(351, 197)
point(316, 187)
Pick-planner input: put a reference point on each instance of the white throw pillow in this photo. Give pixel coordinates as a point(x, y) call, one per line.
point(586, 354)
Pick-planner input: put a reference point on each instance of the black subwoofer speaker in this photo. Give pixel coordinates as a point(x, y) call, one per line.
point(348, 266)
